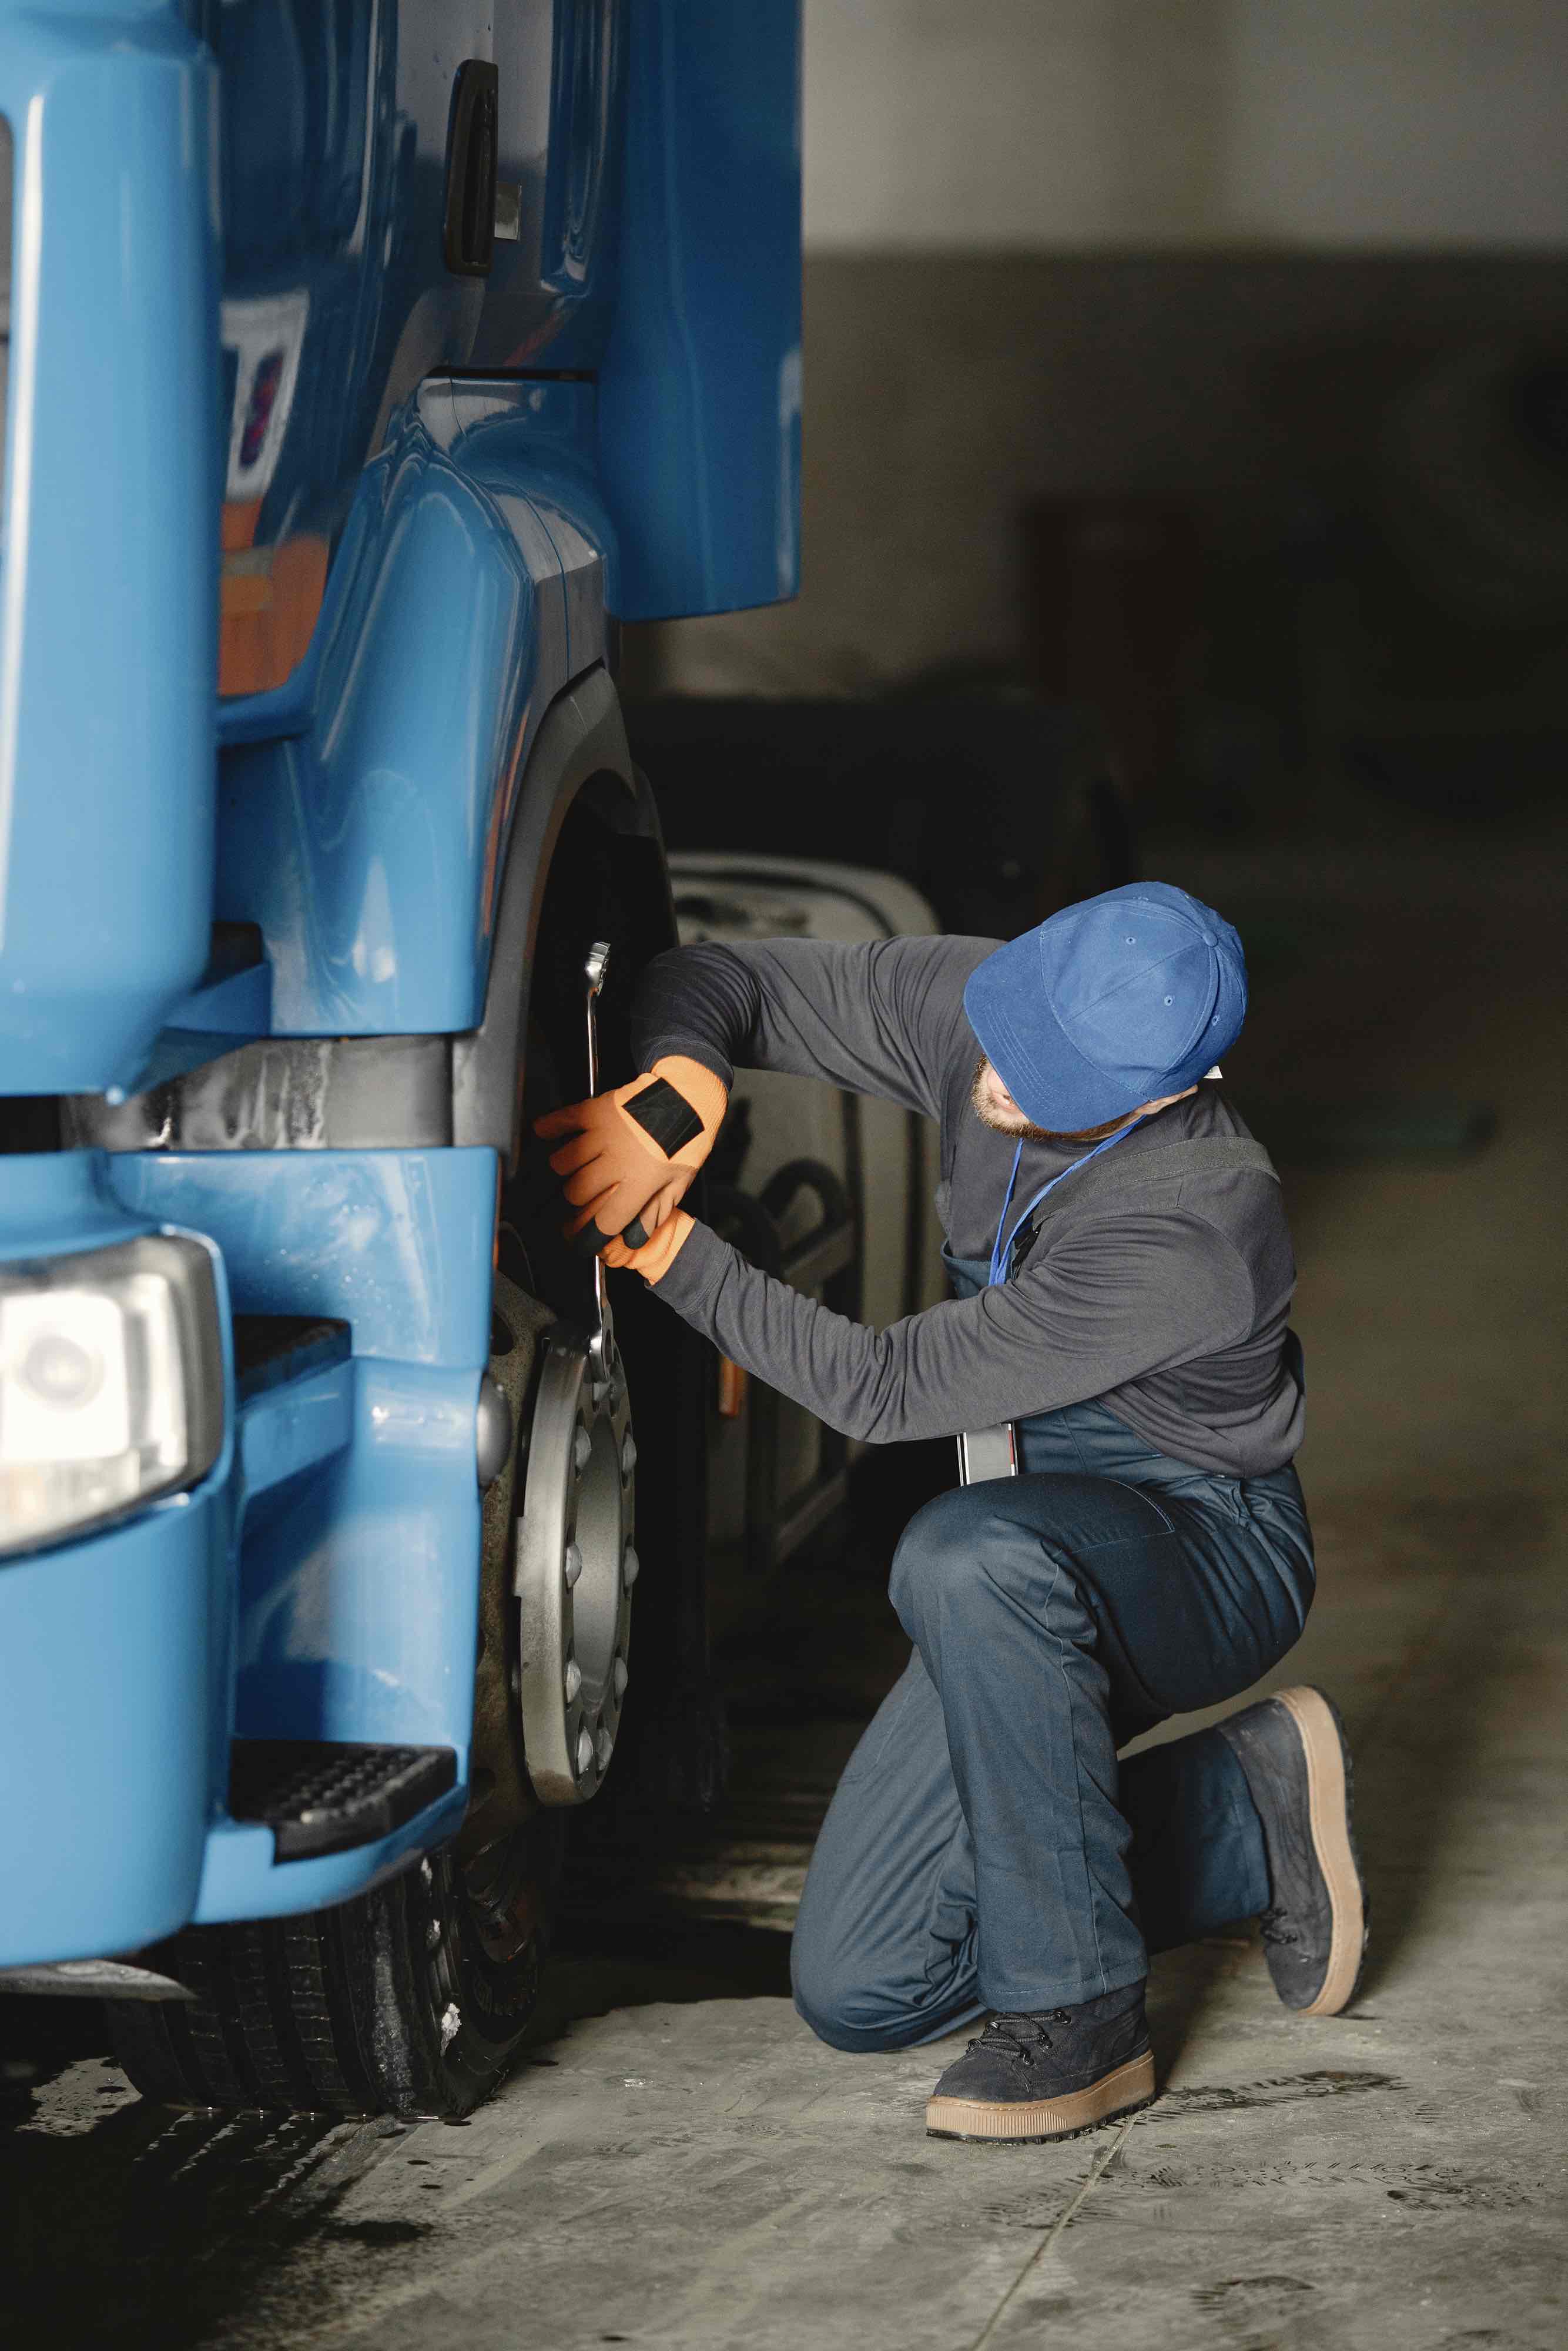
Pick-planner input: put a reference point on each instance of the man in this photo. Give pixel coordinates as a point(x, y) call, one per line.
point(1123, 1274)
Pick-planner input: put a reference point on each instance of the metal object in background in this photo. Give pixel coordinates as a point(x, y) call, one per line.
point(825, 1189)
point(787, 1494)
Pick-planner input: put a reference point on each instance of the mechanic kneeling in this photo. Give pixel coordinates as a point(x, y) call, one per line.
point(1122, 1272)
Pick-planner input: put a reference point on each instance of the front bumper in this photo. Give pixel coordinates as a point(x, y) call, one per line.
point(322, 1584)
point(107, 1689)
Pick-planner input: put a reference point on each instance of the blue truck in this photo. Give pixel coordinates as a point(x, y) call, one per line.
point(367, 365)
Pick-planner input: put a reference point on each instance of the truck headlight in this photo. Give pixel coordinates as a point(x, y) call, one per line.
point(111, 1384)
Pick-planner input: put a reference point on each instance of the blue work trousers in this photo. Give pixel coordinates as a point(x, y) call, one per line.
point(985, 1848)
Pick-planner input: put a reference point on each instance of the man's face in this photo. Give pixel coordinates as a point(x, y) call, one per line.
point(996, 1108)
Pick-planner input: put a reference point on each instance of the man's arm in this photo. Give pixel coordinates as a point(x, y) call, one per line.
point(1111, 1302)
point(882, 1017)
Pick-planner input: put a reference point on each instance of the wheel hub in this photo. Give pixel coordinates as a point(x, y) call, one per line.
point(575, 1569)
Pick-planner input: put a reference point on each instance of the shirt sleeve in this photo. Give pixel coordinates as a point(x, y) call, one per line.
point(882, 1017)
point(1112, 1300)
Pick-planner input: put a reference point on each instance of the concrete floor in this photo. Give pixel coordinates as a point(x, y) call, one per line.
point(679, 2163)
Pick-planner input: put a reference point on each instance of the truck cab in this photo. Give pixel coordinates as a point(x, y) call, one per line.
point(368, 364)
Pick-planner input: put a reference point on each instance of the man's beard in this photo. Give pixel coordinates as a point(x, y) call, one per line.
point(1022, 1127)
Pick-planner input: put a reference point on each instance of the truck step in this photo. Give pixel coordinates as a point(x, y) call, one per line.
point(272, 1348)
point(322, 1795)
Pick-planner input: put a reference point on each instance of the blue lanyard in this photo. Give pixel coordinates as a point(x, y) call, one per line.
point(1001, 1251)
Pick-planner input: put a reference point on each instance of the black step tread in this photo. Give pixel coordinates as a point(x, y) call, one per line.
point(272, 1348)
point(321, 1796)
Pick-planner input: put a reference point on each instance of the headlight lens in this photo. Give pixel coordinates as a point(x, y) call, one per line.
point(110, 1384)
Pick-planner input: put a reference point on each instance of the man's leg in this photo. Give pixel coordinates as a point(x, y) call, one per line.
point(1050, 1612)
point(883, 1954)
point(884, 1949)
point(885, 1944)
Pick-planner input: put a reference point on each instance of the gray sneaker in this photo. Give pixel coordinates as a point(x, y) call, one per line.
point(1293, 1751)
point(1048, 2076)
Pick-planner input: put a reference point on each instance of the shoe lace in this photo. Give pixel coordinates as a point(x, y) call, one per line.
point(1274, 1929)
point(1022, 2033)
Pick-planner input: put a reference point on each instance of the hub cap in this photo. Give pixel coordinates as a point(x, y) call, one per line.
point(575, 1569)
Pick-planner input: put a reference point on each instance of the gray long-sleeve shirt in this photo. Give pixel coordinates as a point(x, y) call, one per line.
point(1159, 1282)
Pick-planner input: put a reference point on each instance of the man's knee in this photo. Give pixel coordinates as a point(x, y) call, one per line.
point(841, 2008)
point(938, 1554)
point(975, 1545)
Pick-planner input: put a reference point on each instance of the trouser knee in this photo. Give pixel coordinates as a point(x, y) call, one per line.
point(841, 2008)
point(938, 1560)
point(971, 1548)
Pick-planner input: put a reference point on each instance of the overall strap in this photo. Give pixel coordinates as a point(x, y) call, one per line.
point(1121, 1178)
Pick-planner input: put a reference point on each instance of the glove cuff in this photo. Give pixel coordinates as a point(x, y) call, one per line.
point(656, 1258)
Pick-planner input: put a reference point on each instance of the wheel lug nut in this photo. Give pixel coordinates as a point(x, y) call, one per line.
point(581, 1451)
point(571, 1565)
point(619, 1676)
point(628, 1454)
point(630, 1567)
point(573, 1679)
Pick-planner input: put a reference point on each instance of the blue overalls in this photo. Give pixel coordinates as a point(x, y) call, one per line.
point(985, 1849)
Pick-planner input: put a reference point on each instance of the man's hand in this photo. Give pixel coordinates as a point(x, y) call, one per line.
point(654, 1260)
point(633, 1153)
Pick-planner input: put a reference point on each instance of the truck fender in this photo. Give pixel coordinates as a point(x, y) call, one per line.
point(582, 747)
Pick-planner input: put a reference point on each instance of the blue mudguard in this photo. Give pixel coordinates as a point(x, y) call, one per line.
point(366, 829)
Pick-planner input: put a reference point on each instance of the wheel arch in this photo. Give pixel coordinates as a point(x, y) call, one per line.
point(580, 768)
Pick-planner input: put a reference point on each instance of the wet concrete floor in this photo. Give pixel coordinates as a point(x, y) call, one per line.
point(678, 2164)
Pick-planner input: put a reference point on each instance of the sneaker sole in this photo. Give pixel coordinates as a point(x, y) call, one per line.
point(1328, 1804)
point(1121, 2093)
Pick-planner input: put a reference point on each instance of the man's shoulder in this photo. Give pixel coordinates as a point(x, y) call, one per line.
point(938, 962)
point(926, 977)
point(954, 949)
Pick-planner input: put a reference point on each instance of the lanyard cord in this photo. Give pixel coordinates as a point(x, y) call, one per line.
point(1001, 1252)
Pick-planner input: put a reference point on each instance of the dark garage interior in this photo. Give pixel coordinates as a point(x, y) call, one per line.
point(1184, 498)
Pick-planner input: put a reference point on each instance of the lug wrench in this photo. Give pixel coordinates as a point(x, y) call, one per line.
point(602, 1343)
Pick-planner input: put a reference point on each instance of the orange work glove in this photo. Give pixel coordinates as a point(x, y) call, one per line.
point(634, 1151)
point(655, 1259)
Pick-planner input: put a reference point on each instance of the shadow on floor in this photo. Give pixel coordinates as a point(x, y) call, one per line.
point(161, 2227)
point(605, 1963)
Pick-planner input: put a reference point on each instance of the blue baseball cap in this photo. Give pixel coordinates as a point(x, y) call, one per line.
point(1110, 1003)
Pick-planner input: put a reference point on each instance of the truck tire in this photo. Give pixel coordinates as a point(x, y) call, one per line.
point(410, 1999)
